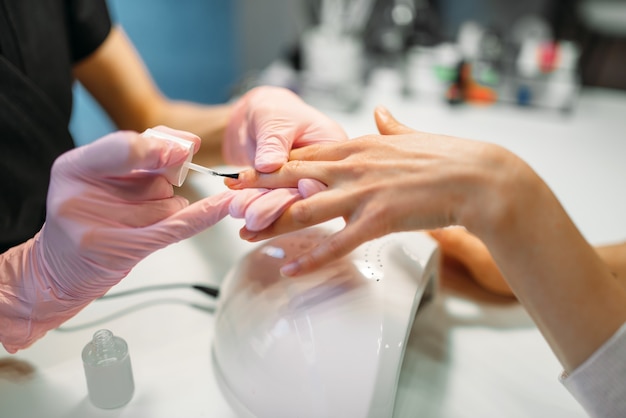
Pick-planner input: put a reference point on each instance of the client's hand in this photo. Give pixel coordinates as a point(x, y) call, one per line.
point(400, 180)
point(107, 209)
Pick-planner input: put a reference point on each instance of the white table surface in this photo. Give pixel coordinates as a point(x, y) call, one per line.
point(470, 355)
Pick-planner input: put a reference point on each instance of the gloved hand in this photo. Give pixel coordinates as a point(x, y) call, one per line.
point(266, 123)
point(107, 209)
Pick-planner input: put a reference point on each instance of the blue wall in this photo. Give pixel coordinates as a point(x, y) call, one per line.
point(189, 47)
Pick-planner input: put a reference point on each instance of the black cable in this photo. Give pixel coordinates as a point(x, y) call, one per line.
point(208, 290)
point(211, 291)
point(123, 312)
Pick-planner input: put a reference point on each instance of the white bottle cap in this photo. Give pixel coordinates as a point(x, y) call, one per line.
point(177, 174)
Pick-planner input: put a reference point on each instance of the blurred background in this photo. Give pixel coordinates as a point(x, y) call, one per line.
point(532, 53)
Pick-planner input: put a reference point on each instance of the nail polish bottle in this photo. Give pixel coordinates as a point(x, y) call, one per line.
point(108, 370)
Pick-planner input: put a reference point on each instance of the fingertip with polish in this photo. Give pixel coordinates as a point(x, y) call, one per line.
point(247, 235)
point(243, 179)
point(233, 183)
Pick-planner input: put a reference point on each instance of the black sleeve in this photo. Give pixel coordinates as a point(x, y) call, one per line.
point(89, 23)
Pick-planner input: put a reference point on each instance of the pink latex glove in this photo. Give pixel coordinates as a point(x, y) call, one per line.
point(107, 209)
point(266, 123)
point(261, 207)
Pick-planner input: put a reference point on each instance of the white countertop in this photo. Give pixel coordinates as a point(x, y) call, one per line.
point(470, 355)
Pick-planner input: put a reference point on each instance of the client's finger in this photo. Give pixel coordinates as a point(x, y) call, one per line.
point(287, 176)
point(387, 124)
point(332, 248)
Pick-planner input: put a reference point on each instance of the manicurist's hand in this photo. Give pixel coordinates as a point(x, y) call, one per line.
point(268, 122)
point(107, 209)
point(265, 125)
point(397, 181)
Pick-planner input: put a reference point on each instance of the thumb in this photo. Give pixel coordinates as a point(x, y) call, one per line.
point(387, 124)
point(272, 151)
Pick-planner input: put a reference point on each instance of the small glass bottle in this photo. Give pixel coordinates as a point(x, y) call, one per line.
point(108, 370)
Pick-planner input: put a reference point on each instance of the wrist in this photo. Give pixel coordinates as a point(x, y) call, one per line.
point(29, 305)
point(507, 195)
point(32, 300)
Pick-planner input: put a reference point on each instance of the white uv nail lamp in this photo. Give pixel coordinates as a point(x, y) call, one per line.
point(327, 344)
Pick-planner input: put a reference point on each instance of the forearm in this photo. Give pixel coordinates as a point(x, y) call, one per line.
point(117, 78)
point(560, 279)
point(614, 255)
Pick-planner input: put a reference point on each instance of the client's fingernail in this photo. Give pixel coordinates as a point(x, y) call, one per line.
point(290, 269)
point(435, 233)
point(247, 234)
point(232, 182)
point(383, 113)
point(239, 182)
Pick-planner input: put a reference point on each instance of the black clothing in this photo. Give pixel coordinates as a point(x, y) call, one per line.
point(40, 40)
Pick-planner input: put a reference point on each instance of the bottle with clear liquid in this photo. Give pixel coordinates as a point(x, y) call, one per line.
point(108, 370)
